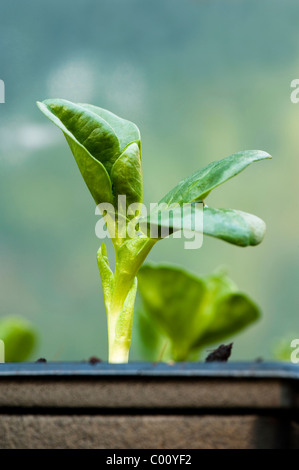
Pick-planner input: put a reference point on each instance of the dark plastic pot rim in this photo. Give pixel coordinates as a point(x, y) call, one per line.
point(268, 370)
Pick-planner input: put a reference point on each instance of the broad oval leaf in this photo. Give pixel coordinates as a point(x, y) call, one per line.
point(233, 226)
point(197, 186)
point(193, 312)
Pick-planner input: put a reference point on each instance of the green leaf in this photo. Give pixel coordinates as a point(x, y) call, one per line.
point(105, 146)
point(197, 186)
point(126, 175)
point(86, 128)
point(126, 131)
point(19, 337)
point(233, 313)
point(191, 311)
point(165, 219)
point(233, 226)
point(148, 339)
point(169, 295)
point(93, 172)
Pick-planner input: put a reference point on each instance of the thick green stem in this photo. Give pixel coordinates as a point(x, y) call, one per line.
point(118, 353)
point(120, 322)
point(119, 291)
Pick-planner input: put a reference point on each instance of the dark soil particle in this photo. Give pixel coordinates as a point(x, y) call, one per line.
point(259, 359)
point(222, 353)
point(94, 360)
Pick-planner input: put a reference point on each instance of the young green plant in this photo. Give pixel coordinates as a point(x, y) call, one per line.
point(107, 150)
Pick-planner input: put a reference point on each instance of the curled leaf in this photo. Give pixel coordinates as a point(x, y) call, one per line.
point(105, 146)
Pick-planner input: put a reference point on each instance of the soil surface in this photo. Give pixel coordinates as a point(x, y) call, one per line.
point(222, 354)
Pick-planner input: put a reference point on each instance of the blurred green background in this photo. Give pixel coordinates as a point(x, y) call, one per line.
point(202, 80)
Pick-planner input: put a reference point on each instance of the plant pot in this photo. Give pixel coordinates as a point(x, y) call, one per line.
point(149, 406)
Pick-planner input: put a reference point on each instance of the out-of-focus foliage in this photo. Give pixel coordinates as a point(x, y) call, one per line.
point(19, 337)
point(282, 349)
point(189, 311)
